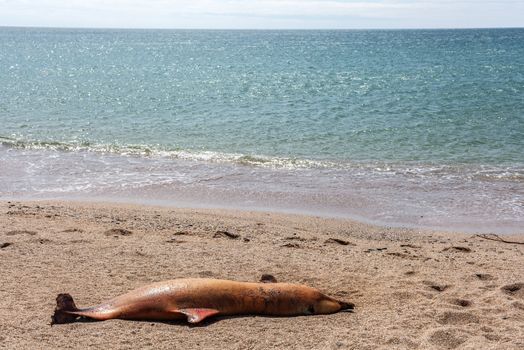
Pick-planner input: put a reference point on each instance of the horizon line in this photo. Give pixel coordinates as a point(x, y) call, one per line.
point(255, 29)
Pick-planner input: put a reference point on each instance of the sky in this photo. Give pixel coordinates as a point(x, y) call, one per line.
point(263, 14)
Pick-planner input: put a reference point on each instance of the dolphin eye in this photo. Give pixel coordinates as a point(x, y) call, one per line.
point(311, 309)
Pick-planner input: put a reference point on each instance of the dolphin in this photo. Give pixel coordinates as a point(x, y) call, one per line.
point(196, 299)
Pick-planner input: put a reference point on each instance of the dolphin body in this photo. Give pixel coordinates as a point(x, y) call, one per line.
point(199, 298)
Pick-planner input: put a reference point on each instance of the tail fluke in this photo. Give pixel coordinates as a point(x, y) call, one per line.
point(65, 306)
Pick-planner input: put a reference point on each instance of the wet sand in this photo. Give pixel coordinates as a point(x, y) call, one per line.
point(412, 289)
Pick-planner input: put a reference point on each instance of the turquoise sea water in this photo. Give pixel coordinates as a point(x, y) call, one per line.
point(412, 127)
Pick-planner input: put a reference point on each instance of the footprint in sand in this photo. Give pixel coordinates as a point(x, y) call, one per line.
point(181, 233)
point(338, 241)
point(457, 318)
point(447, 338)
point(439, 288)
point(291, 245)
point(222, 233)
point(457, 249)
point(118, 232)
point(402, 342)
point(518, 305)
point(436, 286)
point(515, 290)
point(461, 302)
point(484, 276)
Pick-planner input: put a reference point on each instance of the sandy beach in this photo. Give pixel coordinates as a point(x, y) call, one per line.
point(412, 289)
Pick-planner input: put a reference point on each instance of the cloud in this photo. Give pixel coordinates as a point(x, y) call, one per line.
point(262, 13)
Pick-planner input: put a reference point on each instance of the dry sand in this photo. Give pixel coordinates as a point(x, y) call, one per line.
point(412, 289)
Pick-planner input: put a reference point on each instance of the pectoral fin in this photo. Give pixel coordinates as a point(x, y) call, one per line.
point(197, 315)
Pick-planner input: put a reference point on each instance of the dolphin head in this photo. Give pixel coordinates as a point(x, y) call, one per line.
point(327, 305)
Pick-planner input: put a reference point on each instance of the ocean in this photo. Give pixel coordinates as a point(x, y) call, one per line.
point(412, 128)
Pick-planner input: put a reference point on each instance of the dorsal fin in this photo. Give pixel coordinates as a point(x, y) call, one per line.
point(266, 278)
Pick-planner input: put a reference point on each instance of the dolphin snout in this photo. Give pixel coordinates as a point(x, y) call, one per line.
point(346, 306)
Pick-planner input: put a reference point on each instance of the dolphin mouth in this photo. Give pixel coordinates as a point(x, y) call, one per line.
point(346, 306)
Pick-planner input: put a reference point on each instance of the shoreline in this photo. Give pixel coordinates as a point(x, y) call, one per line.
point(416, 198)
point(428, 198)
point(412, 288)
point(508, 231)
